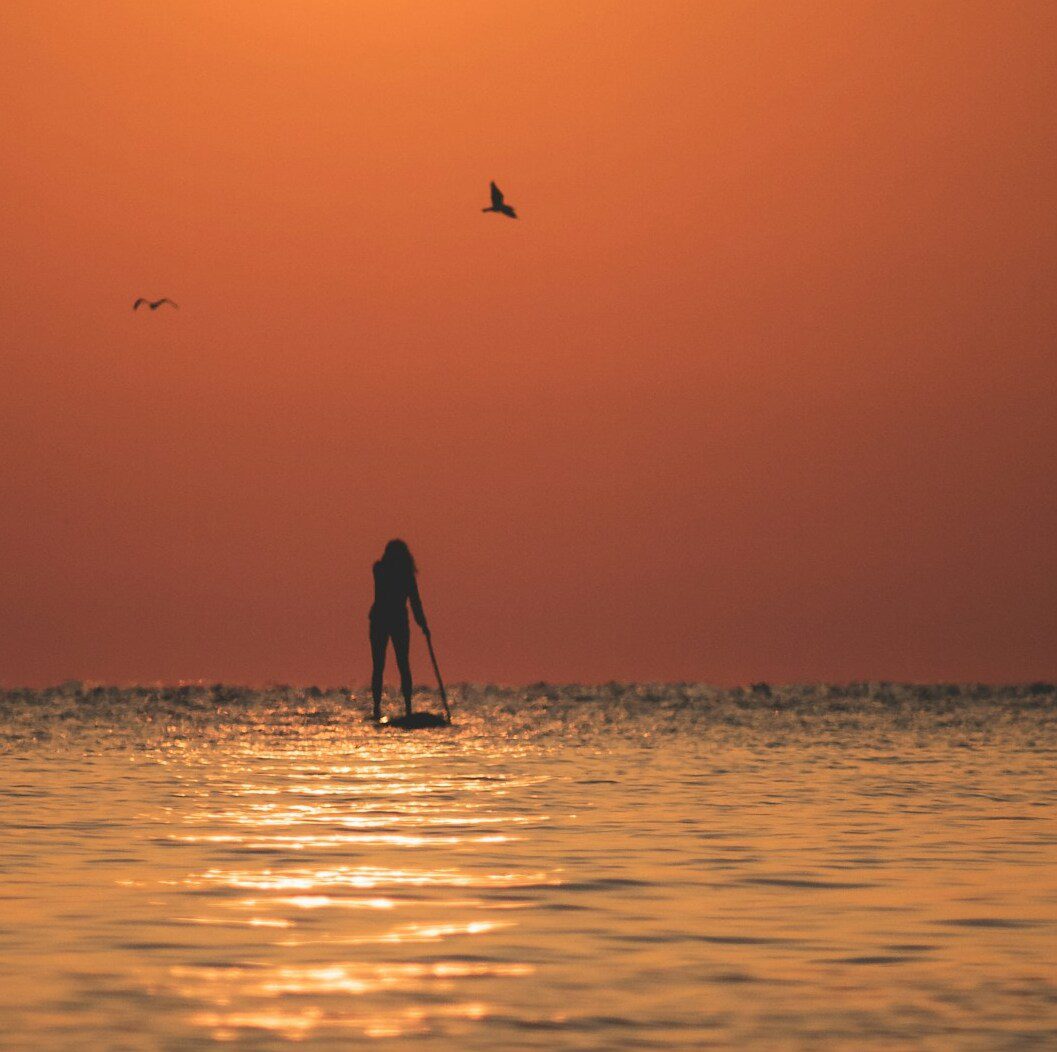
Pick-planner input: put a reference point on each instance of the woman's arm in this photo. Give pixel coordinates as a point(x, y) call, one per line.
point(416, 606)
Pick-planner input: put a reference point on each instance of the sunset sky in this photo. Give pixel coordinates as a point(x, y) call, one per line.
point(761, 384)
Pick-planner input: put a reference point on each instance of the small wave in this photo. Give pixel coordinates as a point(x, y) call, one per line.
point(988, 922)
point(788, 882)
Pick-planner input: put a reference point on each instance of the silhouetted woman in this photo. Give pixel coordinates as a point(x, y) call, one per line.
point(394, 586)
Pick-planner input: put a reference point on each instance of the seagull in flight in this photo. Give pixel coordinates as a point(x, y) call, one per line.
point(153, 304)
point(499, 205)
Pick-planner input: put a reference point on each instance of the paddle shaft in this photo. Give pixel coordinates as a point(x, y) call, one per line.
point(440, 682)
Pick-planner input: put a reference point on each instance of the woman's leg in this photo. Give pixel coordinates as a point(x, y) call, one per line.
point(379, 643)
point(401, 645)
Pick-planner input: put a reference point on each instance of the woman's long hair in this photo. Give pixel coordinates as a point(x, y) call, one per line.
point(398, 555)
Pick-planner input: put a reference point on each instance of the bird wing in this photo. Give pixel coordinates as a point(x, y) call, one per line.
point(139, 303)
point(165, 299)
point(497, 196)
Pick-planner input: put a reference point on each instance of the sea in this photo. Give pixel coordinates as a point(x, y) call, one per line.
point(650, 866)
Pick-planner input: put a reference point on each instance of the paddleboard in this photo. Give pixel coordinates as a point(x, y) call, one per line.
point(417, 721)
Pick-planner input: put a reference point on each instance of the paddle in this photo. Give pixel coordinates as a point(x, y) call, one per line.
point(440, 682)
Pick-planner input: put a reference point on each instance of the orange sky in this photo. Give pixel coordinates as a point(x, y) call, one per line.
point(760, 386)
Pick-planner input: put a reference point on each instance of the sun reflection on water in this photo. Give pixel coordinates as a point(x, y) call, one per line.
point(331, 854)
point(367, 877)
point(303, 841)
point(401, 934)
point(358, 978)
point(296, 1026)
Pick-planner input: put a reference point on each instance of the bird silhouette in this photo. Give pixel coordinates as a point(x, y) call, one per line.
point(153, 304)
point(499, 205)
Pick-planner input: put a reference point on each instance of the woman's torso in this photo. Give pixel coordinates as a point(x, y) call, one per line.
point(392, 587)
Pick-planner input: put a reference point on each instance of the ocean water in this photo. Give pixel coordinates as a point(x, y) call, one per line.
point(616, 867)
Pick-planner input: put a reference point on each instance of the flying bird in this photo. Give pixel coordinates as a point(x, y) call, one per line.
point(499, 205)
point(153, 304)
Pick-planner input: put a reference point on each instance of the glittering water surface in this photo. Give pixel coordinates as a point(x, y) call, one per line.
point(599, 868)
